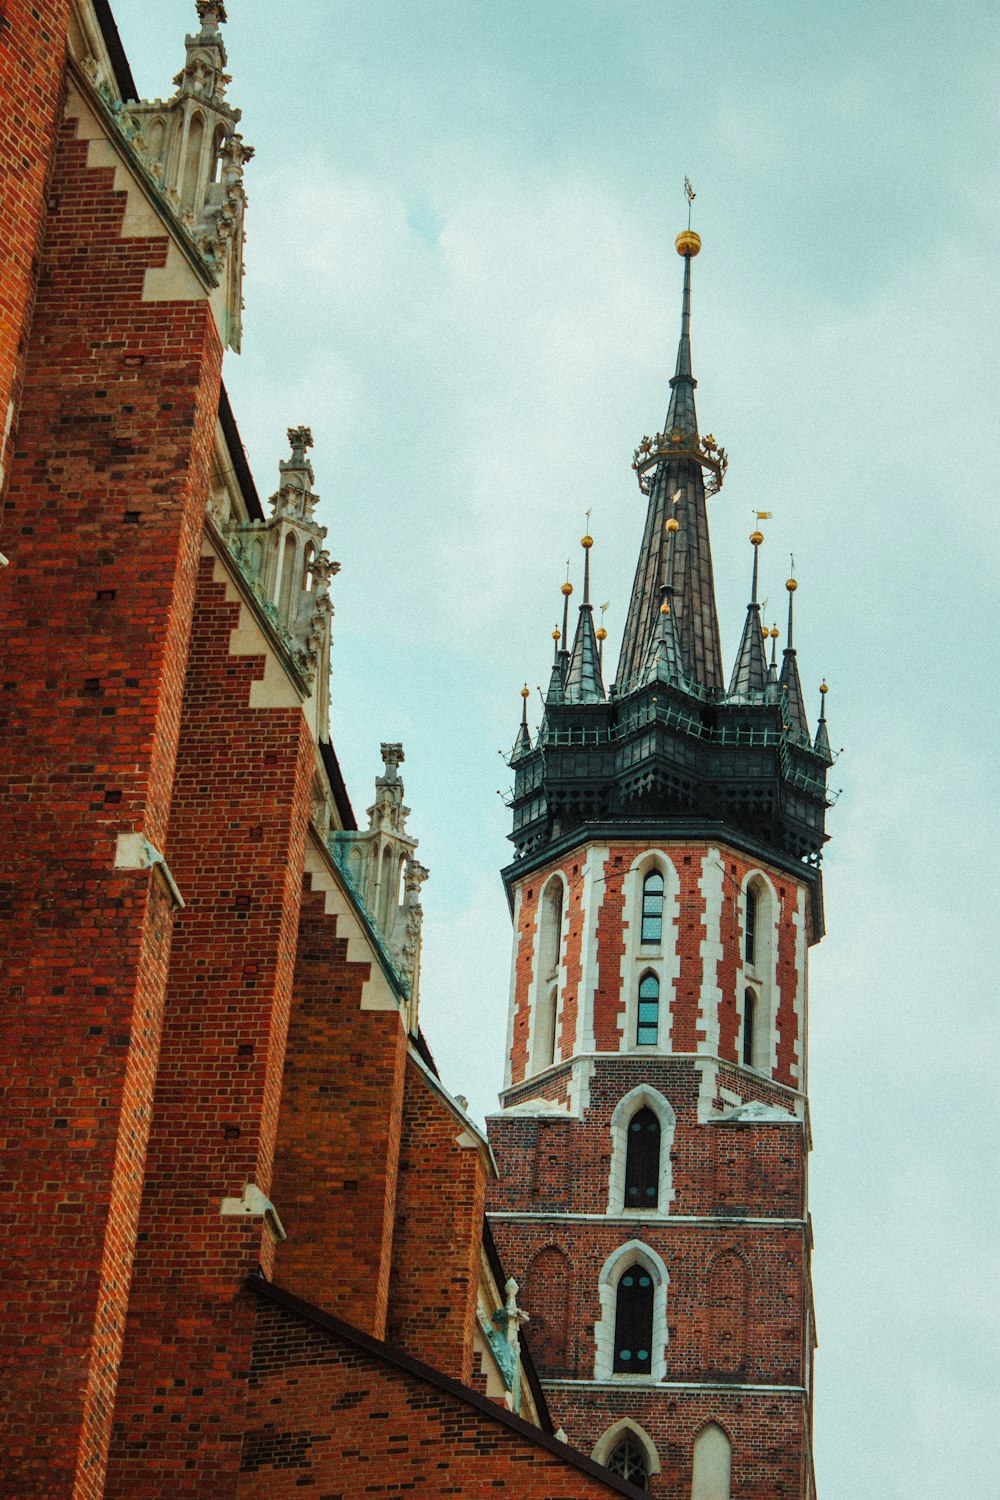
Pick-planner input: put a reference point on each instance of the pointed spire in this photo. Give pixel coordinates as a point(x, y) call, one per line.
point(750, 670)
point(664, 662)
point(771, 689)
point(821, 744)
point(583, 677)
point(567, 590)
point(522, 745)
point(555, 689)
point(793, 704)
point(602, 636)
point(676, 479)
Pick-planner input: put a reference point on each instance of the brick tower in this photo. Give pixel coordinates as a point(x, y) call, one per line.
point(654, 1123)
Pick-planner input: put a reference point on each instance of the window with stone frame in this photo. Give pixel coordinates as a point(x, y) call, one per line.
point(652, 908)
point(648, 1021)
point(634, 1321)
point(642, 1160)
point(629, 1460)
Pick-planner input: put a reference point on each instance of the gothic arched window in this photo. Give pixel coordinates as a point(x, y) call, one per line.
point(647, 1026)
point(642, 1160)
point(713, 1460)
point(629, 1460)
point(634, 1321)
point(749, 1009)
point(750, 927)
point(652, 908)
point(545, 1040)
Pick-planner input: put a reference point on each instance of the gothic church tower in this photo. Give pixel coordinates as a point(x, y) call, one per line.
point(654, 1128)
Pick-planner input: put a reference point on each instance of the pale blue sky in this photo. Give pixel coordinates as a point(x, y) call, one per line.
point(461, 274)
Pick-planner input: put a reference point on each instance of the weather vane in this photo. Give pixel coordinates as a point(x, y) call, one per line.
point(690, 195)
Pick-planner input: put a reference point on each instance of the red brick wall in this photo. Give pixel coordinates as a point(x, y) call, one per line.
point(338, 1134)
point(32, 64)
point(236, 845)
point(118, 413)
point(439, 1226)
point(332, 1419)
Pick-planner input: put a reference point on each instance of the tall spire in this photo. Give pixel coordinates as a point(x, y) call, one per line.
point(750, 670)
point(670, 470)
point(663, 659)
point(522, 745)
point(555, 688)
point(583, 677)
point(789, 686)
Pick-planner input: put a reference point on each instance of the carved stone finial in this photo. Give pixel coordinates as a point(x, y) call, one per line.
point(393, 757)
point(211, 13)
point(300, 439)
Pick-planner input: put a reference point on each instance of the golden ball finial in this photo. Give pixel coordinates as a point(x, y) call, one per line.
point(791, 585)
point(524, 691)
point(664, 608)
point(688, 242)
point(823, 687)
point(601, 634)
point(673, 524)
point(567, 588)
point(773, 632)
point(557, 634)
point(756, 537)
point(586, 542)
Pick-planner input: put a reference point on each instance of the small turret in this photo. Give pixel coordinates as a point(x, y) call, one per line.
point(522, 744)
point(664, 662)
point(749, 677)
point(821, 744)
point(789, 687)
point(583, 675)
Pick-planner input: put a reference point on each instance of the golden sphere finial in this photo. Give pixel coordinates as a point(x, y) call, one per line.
point(601, 634)
point(773, 632)
point(756, 537)
point(791, 585)
point(664, 608)
point(688, 242)
point(567, 588)
point(823, 687)
point(525, 692)
point(673, 524)
point(557, 634)
point(586, 542)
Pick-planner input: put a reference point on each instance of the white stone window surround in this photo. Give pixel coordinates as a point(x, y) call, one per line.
point(644, 1096)
point(762, 975)
point(541, 984)
point(626, 1427)
point(617, 1263)
point(661, 959)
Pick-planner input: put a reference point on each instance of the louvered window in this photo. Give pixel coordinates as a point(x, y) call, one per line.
point(642, 1161)
point(634, 1322)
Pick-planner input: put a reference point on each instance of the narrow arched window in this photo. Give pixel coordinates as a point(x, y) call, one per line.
point(750, 927)
point(642, 1160)
point(629, 1461)
point(647, 1026)
point(550, 934)
point(634, 1322)
point(749, 1009)
point(192, 161)
point(713, 1459)
point(652, 908)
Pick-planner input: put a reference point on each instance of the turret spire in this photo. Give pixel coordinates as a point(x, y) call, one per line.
point(822, 742)
point(522, 745)
point(672, 463)
point(790, 687)
point(555, 688)
point(750, 670)
point(663, 659)
point(583, 677)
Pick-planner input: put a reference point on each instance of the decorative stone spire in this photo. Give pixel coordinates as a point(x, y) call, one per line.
point(750, 670)
point(821, 744)
point(385, 874)
point(192, 150)
point(790, 688)
point(670, 468)
point(522, 745)
point(583, 676)
point(287, 562)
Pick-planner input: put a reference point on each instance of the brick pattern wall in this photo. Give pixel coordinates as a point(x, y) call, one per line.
point(439, 1218)
point(103, 515)
point(236, 845)
point(32, 64)
point(327, 1418)
point(336, 1162)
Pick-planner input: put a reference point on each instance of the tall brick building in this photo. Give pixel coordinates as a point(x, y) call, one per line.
point(654, 1127)
point(244, 1249)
